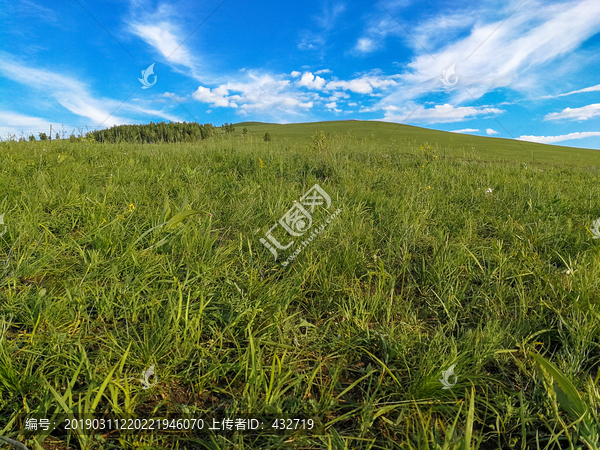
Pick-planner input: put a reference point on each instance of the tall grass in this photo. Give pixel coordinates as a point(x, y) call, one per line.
point(122, 256)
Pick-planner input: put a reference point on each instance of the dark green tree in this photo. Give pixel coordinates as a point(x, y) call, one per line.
point(245, 131)
point(31, 138)
point(267, 137)
point(155, 133)
point(57, 136)
point(43, 136)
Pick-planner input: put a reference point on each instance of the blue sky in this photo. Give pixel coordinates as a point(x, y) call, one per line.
point(513, 69)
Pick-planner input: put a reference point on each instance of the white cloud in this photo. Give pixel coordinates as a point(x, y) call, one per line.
point(326, 22)
point(578, 91)
point(319, 72)
point(583, 113)
point(465, 130)
point(165, 38)
point(30, 8)
point(331, 105)
point(164, 29)
point(257, 92)
point(329, 14)
point(309, 43)
point(295, 74)
point(365, 45)
point(67, 91)
point(161, 114)
point(311, 81)
point(352, 104)
point(489, 54)
point(170, 95)
point(19, 124)
point(11, 118)
point(490, 131)
point(216, 97)
point(336, 95)
point(363, 85)
point(564, 137)
point(438, 114)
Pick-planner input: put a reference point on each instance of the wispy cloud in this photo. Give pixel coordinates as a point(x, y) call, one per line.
point(465, 130)
point(164, 37)
point(365, 45)
point(578, 91)
point(72, 94)
point(17, 124)
point(163, 30)
point(583, 113)
point(363, 85)
point(67, 91)
point(445, 113)
point(157, 113)
point(326, 22)
point(515, 55)
point(564, 137)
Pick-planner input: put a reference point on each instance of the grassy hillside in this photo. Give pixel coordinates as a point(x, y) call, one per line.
point(386, 134)
point(120, 257)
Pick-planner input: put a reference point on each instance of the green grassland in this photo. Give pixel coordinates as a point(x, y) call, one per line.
point(383, 134)
point(117, 257)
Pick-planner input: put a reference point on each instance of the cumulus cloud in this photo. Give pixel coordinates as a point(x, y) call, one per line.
point(311, 81)
point(490, 131)
point(216, 97)
point(257, 93)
